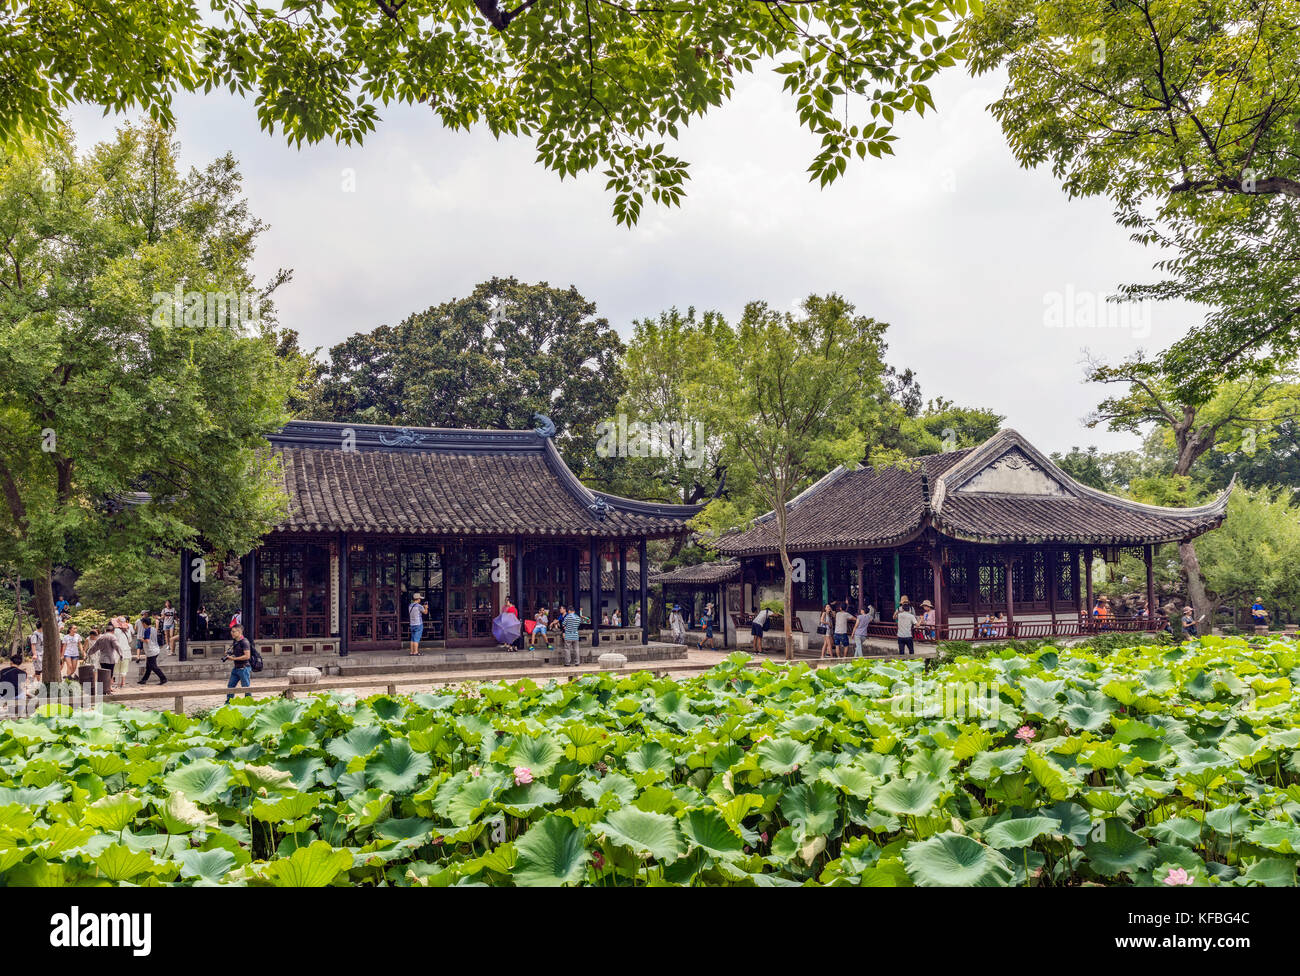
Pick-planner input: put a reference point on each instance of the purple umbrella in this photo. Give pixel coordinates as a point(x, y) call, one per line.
point(505, 628)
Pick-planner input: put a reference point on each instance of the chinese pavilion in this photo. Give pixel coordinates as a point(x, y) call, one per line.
point(997, 529)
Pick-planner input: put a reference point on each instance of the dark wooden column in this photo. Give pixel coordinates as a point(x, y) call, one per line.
point(345, 578)
point(973, 564)
point(517, 585)
point(1051, 585)
point(645, 590)
point(721, 606)
point(1151, 588)
point(743, 608)
point(517, 577)
point(861, 606)
point(1087, 576)
point(595, 592)
point(1011, 603)
point(248, 593)
point(575, 579)
point(622, 582)
point(187, 570)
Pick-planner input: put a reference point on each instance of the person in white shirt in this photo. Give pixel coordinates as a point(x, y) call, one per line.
point(843, 621)
point(906, 621)
point(121, 634)
point(757, 626)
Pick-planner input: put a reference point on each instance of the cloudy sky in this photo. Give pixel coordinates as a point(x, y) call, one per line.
point(989, 276)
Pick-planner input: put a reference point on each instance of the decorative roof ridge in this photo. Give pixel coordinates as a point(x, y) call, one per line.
point(332, 435)
point(1008, 437)
point(598, 501)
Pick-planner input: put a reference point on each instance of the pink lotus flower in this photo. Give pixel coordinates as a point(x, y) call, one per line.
point(523, 775)
point(1026, 734)
point(598, 859)
point(763, 837)
point(475, 771)
point(1178, 876)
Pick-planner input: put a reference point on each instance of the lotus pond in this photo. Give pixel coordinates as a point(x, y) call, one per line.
point(1146, 766)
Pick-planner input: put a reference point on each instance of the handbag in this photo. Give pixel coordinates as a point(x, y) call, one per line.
point(821, 628)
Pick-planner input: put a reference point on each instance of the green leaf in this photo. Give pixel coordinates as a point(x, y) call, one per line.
point(954, 860)
point(646, 834)
point(551, 853)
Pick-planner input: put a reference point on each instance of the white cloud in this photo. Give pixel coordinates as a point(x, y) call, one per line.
point(949, 240)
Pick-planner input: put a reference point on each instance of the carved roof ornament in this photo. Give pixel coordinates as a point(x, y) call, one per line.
point(404, 437)
point(545, 426)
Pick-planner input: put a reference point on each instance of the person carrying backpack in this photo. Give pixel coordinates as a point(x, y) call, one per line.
point(149, 638)
point(241, 657)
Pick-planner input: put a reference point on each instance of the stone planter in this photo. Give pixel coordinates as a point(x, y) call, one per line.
point(303, 676)
point(611, 661)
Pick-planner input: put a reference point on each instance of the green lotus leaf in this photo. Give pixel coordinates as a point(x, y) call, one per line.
point(117, 862)
point(397, 768)
point(314, 866)
point(853, 780)
point(1019, 832)
point(258, 778)
point(814, 806)
point(1281, 837)
point(613, 784)
point(211, 865)
point(1120, 852)
point(955, 860)
point(521, 801)
point(1072, 820)
point(782, 756)
point(1271, 872)
point(1231, 820)
point(114, 812)
point(180, 815)
point(645, 834)
point(469, 801)
point(652, 761)
point(551, 853)
point(1177, 830)
point(284, 809)
point(709, 831)
point(361, 741)
point(908, 797)
point(202, 781)
point(540, 755)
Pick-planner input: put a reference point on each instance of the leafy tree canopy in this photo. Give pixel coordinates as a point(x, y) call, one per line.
point(138, 366)
point(595, 83)
point(1187, 115)
point(494, 359)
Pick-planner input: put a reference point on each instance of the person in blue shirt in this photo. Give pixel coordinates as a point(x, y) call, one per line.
point(60, 605)
point(570, 621)
point(416, 613)
point(1259, 614)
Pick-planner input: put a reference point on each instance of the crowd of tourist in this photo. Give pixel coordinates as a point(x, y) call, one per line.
point(102, 656)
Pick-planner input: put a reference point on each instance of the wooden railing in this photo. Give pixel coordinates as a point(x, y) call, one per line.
point(1020, 629)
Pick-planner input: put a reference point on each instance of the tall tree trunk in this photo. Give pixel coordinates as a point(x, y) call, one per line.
point(43, 589)
point(788, 599)
point(1196, 594)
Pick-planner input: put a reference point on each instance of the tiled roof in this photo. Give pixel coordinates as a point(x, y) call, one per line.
point(449, 482)
point(848, 509)
point(1005, 491)
point(700, 574)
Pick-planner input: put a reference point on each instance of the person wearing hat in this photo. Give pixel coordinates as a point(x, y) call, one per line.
point(1258, 613)
point(678, 624)
point(707, 621)
point(928, 621)
point(415, 615)
point(121, 634)
point(1191, 626)
point(906, 621)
